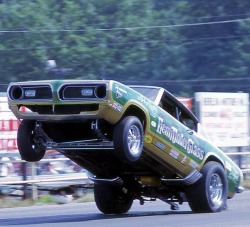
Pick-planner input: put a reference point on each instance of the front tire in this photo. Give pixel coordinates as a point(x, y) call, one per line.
point(112, 199)
point(28, 149)
point(209, 194)
point(128, 139)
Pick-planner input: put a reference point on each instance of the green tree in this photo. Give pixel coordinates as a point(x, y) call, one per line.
point(183, 45)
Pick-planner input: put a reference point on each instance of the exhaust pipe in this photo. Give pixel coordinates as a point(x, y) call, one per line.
point(114, 181)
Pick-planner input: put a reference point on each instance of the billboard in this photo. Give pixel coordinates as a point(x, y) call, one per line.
point(225, 117)
point(8, 126)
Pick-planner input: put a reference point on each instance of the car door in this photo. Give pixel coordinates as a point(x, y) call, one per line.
point(180, 127)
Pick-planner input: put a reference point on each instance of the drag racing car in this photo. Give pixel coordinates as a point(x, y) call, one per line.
point(136, 142)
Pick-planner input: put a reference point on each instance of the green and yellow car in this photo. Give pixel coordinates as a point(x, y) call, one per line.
point(136, 142)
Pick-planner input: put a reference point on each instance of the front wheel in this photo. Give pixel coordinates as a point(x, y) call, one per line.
point(209, 194)
point(111, 199)
point(128, 139)
point(29, 150)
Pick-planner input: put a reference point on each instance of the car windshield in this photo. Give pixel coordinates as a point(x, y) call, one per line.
point(149, 92)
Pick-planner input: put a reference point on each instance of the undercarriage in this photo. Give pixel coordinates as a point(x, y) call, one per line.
point(90, 145)
point(120, 168)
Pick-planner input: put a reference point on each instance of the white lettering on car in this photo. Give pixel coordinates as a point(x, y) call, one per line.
point(178, 138)
point(152, 108)
point(117, 106)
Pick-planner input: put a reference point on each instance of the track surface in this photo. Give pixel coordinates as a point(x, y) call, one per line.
point(151, 214)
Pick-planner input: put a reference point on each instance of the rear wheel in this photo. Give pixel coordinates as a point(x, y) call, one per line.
point(29, 150)
point(209, 194)
point(128, 139)
point(111, 199)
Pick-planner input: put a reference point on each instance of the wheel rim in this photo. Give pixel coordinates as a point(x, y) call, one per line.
point(123, 196)
point(216, 189)
point(36, 148)
point(134, 140)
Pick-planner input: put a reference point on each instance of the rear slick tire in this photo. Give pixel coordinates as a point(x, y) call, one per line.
point(112, 199)
point(209, 194)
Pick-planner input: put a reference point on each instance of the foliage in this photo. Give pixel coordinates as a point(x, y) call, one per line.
point(183, 45)
point(6, 202)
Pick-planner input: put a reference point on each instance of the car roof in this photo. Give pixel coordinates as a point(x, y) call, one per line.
point(163, 92)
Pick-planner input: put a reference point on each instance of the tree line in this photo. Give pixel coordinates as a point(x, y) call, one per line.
point(184, 46)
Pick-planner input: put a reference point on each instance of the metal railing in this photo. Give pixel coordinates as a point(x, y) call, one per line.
point(35, 179)
point(31, 183)
point(239, 155)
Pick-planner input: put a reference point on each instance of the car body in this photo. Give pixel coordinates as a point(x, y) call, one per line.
point(136, 142)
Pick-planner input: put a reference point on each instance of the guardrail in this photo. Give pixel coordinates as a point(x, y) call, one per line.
point(48, 178)
point(73, 176)
point(239, 154)
point(40, 178)
point(30, 185)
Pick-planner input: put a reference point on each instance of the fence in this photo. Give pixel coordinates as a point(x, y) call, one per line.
point(29, 181)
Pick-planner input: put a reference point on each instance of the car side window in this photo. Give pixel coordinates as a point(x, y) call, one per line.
point(168, 106)
point(188, 121)
point(174, 110)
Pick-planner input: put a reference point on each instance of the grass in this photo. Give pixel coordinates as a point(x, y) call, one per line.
point(246, 184)
point(8, 202)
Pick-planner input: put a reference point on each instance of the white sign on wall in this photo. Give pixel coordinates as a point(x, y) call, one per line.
point(225, 117)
